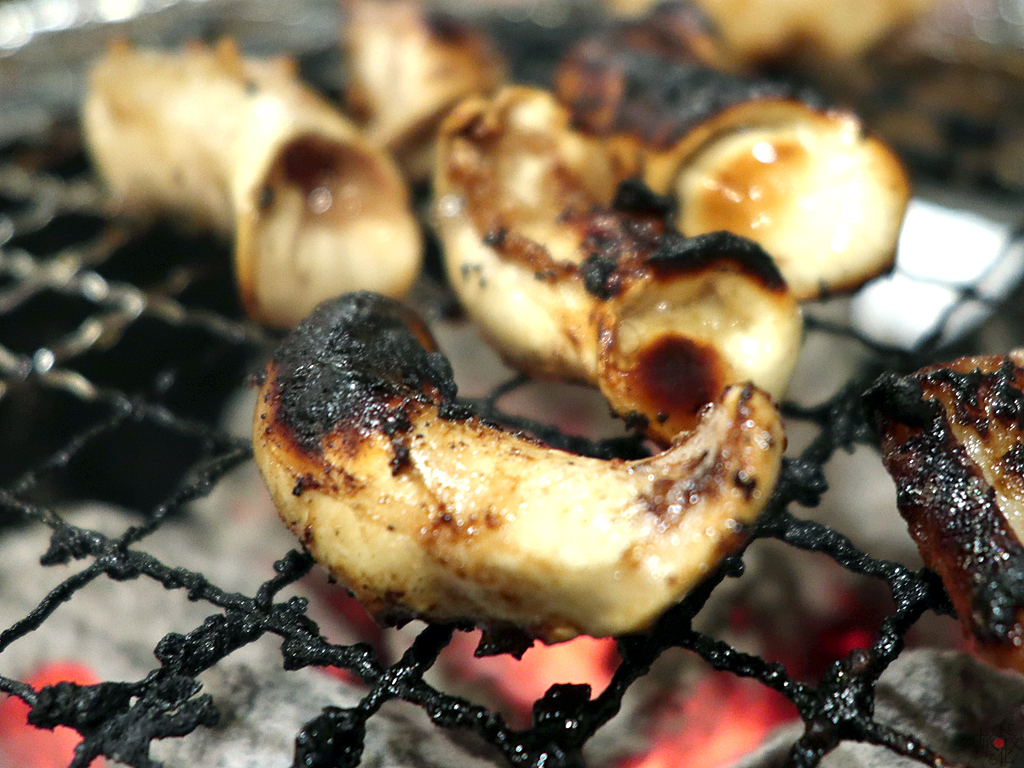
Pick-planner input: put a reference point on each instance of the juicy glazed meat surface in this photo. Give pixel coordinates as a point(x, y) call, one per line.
point(953, 440)
point(756, 157)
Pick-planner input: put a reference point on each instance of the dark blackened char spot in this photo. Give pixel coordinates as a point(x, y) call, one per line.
point(901, 400)
point(634, 197)
point(635, 421)
point(598, 273)
point(617, 245)
point(447, 28)
point(501, 638)
point(303, 483)
point(1013, 461)
point(746, 483)
point(983, 390)
point(951, 511)
point(402, 458)
point(266, 198)
point(678, 375)
point(358, 362)
point(678, 255)
point(648, 95)
point(495, 237)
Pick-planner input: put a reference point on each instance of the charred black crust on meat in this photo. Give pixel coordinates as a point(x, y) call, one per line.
point(627, 90)
point(357, 362)
point(634, 197)
point(616, 243)
point(622, 247)
point(635, 238)
point(599, 276)
point(678, 30)
point(677, 254)
point(982, 397)
point(951, 510)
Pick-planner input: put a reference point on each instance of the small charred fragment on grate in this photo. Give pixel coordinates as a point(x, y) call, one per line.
point(758, 158)
point(952, 438)
point(572, 274)
point(481, 524)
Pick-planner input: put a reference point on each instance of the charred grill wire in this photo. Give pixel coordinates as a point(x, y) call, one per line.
point(84, 366)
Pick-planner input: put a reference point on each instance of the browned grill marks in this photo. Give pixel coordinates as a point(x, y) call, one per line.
point(678, 375)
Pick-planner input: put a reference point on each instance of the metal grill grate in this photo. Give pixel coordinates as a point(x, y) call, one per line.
point(107, 330)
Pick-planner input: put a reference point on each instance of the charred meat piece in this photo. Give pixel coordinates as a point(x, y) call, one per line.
point(570, 275)
point(675, 30)
point(759, 31)
point(756, 158)
point(408, 66)
point(424, 510)
point(241, 146)
point(953, 440)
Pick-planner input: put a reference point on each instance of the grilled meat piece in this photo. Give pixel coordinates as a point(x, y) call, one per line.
point(567, 280)
point(241, 146)
point(756, 158)
point(408, 66)
point(423, 509)
point(953, 440)
point(757, 31)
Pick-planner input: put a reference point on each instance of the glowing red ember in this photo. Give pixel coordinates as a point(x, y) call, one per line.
point(25, 746)
point(518, 683)
point(723, 718)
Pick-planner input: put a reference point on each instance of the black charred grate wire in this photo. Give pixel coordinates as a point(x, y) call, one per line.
point(56, 249)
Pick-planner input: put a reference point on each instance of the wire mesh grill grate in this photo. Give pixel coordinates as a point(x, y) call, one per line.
point(108, 329)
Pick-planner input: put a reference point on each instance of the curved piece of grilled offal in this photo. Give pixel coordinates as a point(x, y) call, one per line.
point(241, 146)
point(422, 509)
point(570, 274)
point(758, 158)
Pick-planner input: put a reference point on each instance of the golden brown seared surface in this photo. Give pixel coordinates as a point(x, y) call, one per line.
point(422, 509)
point(571, 274)
point(953, 440)
point(758, 158)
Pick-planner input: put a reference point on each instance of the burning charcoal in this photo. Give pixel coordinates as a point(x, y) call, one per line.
point(953, 440)
point(408, 66)
point(240, 145)
point(964, 711)
point(423, 509)
point(568, 277)
point(26, 746)
point(263, 708)
point(756, 158)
